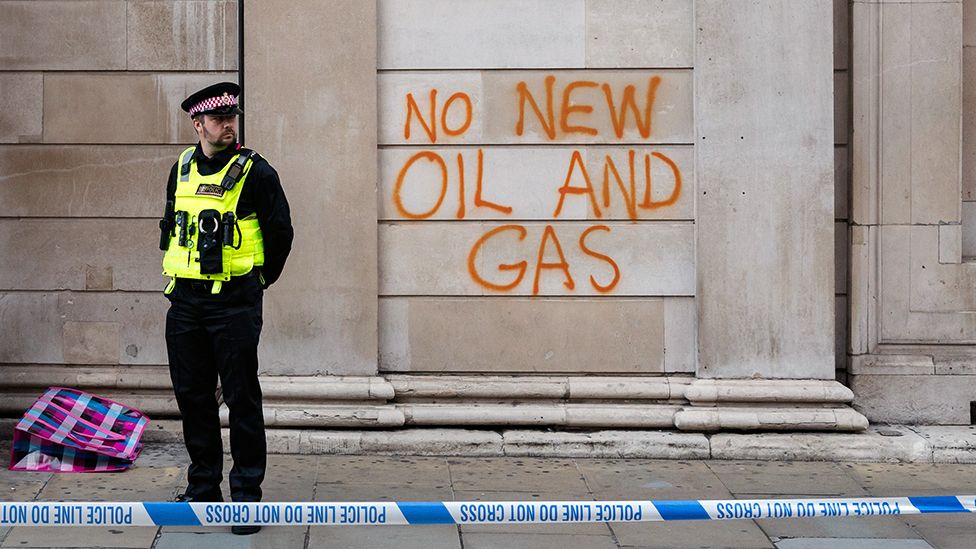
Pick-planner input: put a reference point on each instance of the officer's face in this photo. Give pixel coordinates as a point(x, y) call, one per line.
point(218, 131)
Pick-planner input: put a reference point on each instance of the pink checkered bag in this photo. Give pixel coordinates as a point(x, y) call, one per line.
point(68, 430)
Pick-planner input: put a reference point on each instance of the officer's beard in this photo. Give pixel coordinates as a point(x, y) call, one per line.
point(219, 141)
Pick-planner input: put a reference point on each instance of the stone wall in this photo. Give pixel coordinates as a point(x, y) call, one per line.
point(912, 322)
point(553, 212)
point(89, 127)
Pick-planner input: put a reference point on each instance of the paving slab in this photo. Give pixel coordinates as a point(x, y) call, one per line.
point(651, 479)
point(383, 492)
point(836, 527)
point(690, 534)
point(439, 536)
point(834, 543)
point(536, 541)
point(595, 529)
point(136, 484)
point(785, 477)
point(945, 531)
point(517, 475)
point(915, 479)
point(383, 470)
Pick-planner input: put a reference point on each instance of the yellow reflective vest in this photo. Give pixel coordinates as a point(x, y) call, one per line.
point(196, 193)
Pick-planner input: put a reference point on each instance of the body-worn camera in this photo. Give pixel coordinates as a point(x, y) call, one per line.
point(210, 242)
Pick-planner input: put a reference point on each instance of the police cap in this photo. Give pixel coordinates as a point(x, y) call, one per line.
point(219, 99)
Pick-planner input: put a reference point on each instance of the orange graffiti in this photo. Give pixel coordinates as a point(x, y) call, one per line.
point(577, 160)
point(520, 266)
point(548, 242)
point(467, 117)
point(524, 94)
point(675, 194)
point(618, 114)
point(616, 270)
point(561, 264)
point(569, 108)
point(643, 125)
point(628, 192)
point(398, 187)
point(430, 124)
point(630, 199)
point(480, 202)
point(412, 107)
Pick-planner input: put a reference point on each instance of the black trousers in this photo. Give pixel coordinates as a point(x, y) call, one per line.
point(210, 336)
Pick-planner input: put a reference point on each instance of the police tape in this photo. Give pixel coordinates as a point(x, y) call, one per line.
point(457, 512)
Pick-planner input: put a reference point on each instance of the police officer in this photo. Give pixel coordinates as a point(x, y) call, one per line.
point(226, 235)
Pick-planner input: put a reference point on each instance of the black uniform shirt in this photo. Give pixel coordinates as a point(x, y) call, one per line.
point(262, 195)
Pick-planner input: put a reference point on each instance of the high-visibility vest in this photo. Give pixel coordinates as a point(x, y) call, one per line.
point(196, 193)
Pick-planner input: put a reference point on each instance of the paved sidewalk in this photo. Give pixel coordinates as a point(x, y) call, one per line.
point(159, 474)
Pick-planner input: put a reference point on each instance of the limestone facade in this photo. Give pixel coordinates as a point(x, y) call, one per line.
point(566, 213)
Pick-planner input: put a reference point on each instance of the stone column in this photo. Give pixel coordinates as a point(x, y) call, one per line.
point(765, 265)
point(310, 70)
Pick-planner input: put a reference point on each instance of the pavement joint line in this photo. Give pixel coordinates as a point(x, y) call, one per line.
point(70, 514)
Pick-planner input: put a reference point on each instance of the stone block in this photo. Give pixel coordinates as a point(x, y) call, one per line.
point(92, 342)
point(968, 230)
point(84, 107)
point(950, 244)
point(937, 287)
point(895, 133)
point(654, 259)
point(892, 365)
point(969, 123)
point(842, 107)
point(936, 112)
point(317, 416)
point(490, 335)
point(842, 182)
point(20, 119)
point(680, 335)
point(84, 181)
point(81, 248)
point(594, 387)
point(62, 35)
point(950, 444)
point(765, 189)
point(321, 315)
point(867, 446)
point(810, 391)
point(607, 444)
point(586, 107)
point(35, 334)
point(639, 34)
point(409, 387)
point(842, 34)
point(181, 36)
point(968, 23)
point(914, 400)
point(842, 251)
point(769, 419)
point(435, 34)
point(525, 182)
point(865, 92)
point(32, 329)
point(432, 442)
point(841, 334)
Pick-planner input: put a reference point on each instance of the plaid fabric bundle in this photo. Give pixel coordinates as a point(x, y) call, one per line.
point(67, 430)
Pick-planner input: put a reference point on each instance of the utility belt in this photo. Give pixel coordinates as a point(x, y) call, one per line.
point(206, 286)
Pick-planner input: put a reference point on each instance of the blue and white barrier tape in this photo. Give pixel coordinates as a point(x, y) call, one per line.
point(464, 512)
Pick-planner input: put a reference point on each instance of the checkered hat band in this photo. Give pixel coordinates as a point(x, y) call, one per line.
point(213, 103)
